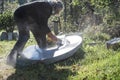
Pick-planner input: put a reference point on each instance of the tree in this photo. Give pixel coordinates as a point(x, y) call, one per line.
point(1, 6)
point(7, 22)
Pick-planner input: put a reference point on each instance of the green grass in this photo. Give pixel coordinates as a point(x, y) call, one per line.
point(90, 62)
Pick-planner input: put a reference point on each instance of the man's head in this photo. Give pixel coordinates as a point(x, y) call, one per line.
point(57, 6)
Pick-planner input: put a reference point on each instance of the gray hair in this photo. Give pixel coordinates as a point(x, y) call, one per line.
point(56, 4)
point(59, 4)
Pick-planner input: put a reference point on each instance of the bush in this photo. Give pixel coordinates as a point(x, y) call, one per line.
point(7, 22)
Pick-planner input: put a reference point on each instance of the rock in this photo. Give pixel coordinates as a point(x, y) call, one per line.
point(4, 36)
point(113, 44)
point(9, 36)
point(15, 35)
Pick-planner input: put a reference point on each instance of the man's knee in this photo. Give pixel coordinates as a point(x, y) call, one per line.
point(24, 38)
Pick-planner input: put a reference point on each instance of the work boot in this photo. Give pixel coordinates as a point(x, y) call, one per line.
point(12, 59)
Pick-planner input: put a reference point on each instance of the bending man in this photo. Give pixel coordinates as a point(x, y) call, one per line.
point(33, 17)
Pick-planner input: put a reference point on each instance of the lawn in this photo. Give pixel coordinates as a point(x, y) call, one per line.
point(90, 62)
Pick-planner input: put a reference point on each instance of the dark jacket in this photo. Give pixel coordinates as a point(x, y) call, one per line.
point(39, 12)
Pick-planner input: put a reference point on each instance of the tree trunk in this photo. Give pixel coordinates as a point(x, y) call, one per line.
point(1, 6)
point(71, 9)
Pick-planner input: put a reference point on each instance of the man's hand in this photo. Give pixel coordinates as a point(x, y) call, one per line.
point(53, 37)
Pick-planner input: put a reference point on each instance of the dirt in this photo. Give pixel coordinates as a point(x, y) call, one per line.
point(5, 70)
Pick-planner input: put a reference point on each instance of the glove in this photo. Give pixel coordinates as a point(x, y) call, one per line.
point(59, 42)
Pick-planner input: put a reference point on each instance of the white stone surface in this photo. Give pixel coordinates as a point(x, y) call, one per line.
point(49, 55)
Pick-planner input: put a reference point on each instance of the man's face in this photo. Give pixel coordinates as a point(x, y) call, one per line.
point(57, 11)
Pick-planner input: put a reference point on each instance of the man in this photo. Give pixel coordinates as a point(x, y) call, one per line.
point(34, 17)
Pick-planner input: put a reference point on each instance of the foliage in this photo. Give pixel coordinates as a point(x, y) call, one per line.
point(108, 10)
point(90, 62)
point(75, 2)
point(93, 61)
point(6, 21)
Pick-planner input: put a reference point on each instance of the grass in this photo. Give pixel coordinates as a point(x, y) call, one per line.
point(90, 62)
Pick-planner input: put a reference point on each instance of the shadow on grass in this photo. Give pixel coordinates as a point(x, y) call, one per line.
point(41, 71)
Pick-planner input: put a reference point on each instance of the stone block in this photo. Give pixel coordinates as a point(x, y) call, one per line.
point(4, 36)
point(113, 44)
point(9, 36)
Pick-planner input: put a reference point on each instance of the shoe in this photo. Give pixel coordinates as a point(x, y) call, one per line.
point(12, 59)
